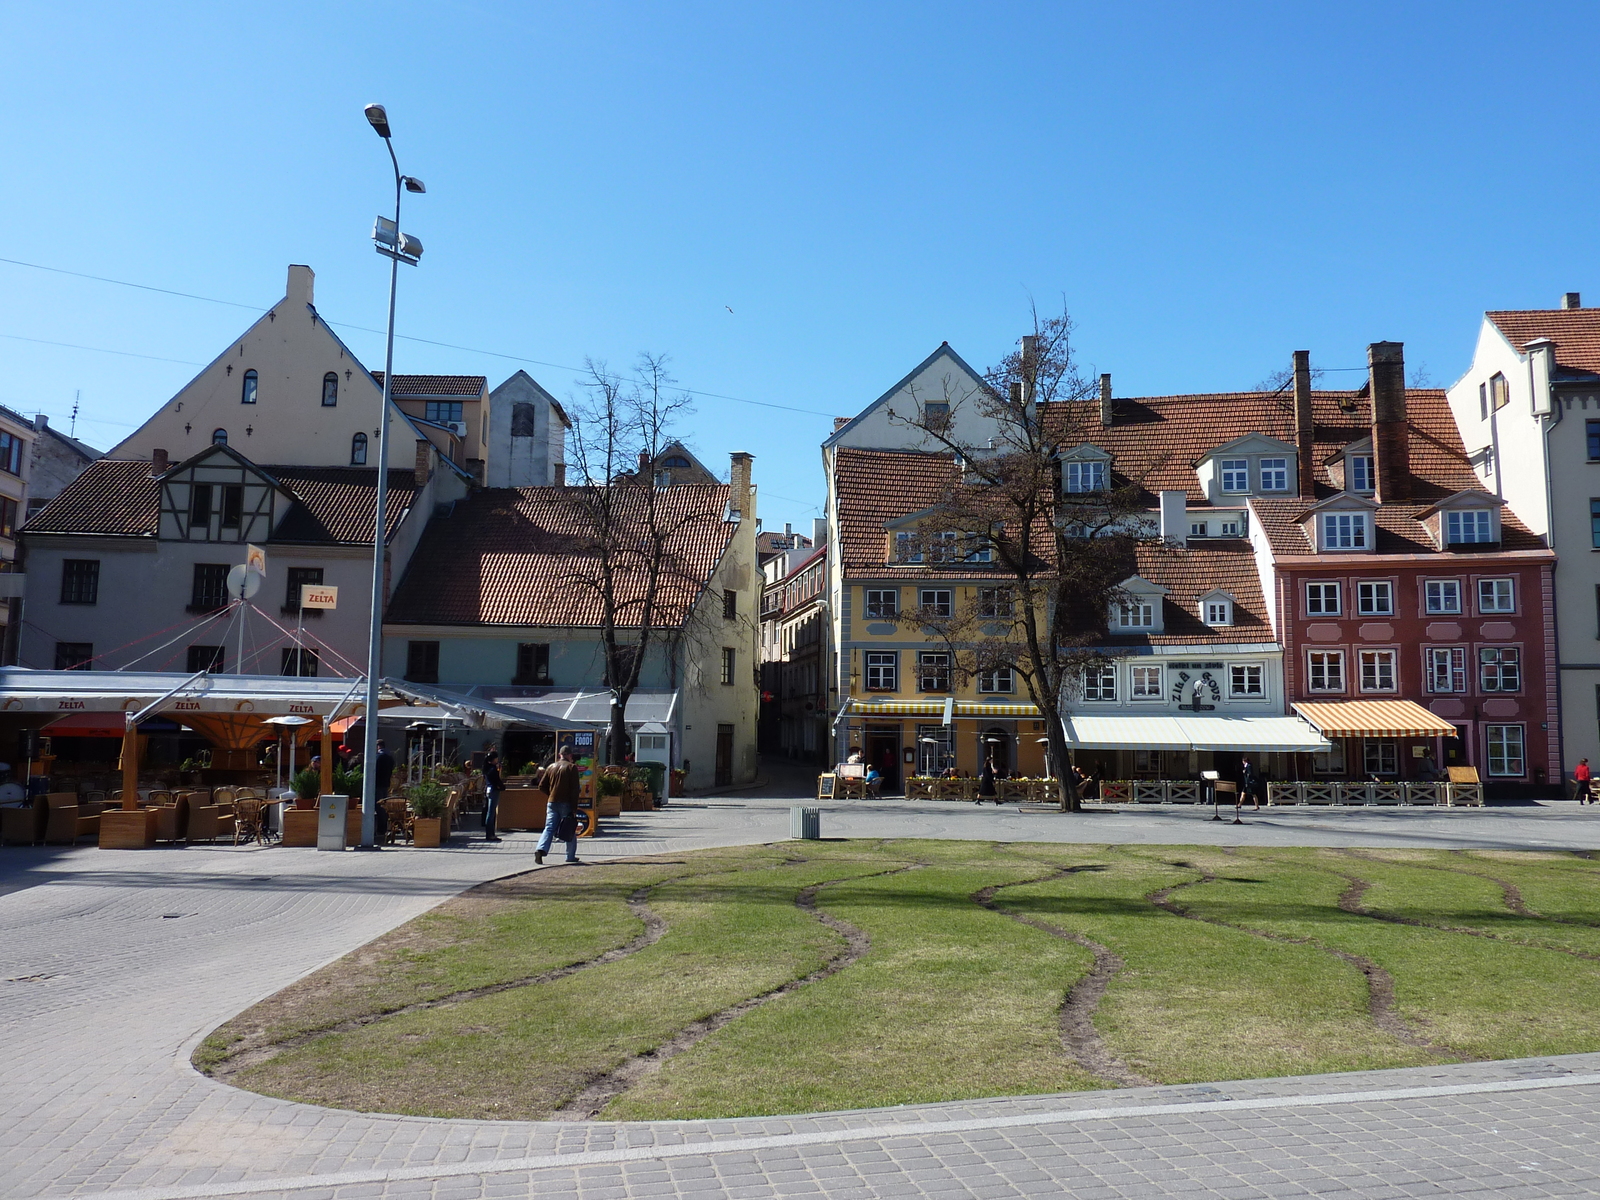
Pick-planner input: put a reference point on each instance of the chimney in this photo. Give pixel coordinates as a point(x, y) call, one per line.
point(840, 422)
point(40, 422)
point(819, 531)
point(560, 470)
point(788, 529)
point(1105, 401)
point(1174, 513)
point(741, 498)
point(1571, 300)
point(1030, 367)
point(158, 462)
point(644, 465)
point(1386, 366)
point(424, 447)
point(1304, 436)
point(301, 280)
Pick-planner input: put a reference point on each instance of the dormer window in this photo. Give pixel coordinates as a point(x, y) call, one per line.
point(1359, 467)
point(1136, 614)
point(1228, 527)
point(1218, 612)
point(1468, 525)
point(1274, 474)
point(1235, 474)
point(1344, 531)
point(1086, 476)
point(906, 548)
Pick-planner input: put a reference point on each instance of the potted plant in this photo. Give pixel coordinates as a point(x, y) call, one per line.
point(307, 786)
point(189, 770)
point(348, 783)
point(609, 784)
point(428, 801)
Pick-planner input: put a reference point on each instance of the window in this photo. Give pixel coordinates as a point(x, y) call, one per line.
point(299, 577)
point(1344, 531)
point(199, 504)
point(997, 680)
point(1360, 468)
point(935, 748)
point(80, 581)
point(1236, 474)
point(672, 462)
point(1245, 681)
point(206, 658)
point(1100, 683)
point(10, 453)
point(1467, 525)
point(936, 414)
point(1219, 612)
point(1322, 599)
point(883, 671)
point(1329, 762)
point(330, 397)
point(75, 656)
point(422, 662)
point(933, 671)
point(1327, 670)
point(1500, 669)
point(219, 437)
point(1499, 391)
point(995, 602)
point(533, 662)
point(1148, 762)
point(1375, 599)
point(1087, 476)
point(1382, 756)
point(936, 602)
point(358, 450)
point(626, 655)
point(1147, 683)
point(1483, 402)
point(883, 603)
point(1592, 432)
point(1447, 668)
point(980, 549)
point(1505, 750)
point(728, 657)
point(1228, 528)
point(730, 604)
point(1377, 670)
point(1496, 596)
point(1274, 474)
point(232, 505)
point(1136, 614)
point(1594, 523)
point(210, 590)
point(1443, 596)
point(906, 548)
point(1197, 529)
point(247, 390)
point(302, 661)
point(942, 547)
point(448, 412)
point(8, 517)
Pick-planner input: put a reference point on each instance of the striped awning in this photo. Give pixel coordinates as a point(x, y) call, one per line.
point(1000, 711)
point(896, 708)
point(1375, 718)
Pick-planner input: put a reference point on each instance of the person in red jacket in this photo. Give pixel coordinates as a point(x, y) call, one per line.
point(1580, 776)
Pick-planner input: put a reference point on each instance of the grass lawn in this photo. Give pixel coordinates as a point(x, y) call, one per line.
point(811, 976)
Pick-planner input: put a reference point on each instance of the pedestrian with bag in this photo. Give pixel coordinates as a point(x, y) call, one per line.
point(559, 782)
point(492, 783)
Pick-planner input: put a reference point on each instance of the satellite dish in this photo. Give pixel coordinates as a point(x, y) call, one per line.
point(243, 582)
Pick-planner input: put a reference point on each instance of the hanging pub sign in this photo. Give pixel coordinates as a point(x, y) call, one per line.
point(318, 595)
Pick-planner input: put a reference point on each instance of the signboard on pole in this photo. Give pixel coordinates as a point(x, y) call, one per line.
point(317, 595)
point(255, 558)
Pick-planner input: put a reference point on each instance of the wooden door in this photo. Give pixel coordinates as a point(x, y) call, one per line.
point(724, 755)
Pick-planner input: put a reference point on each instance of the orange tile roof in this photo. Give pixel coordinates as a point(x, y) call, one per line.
point(1399, 529)
point(1575, 331)
point(1189, 574)
point(520, 556)
point(436, 385)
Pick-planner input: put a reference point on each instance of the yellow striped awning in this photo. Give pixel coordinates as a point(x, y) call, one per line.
point(896, 708)
point(1375, 718)
point(1003, 711)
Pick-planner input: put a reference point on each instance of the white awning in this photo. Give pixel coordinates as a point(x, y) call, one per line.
point(1132, 732)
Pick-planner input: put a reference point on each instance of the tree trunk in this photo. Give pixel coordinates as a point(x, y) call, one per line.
point(1061, 759)
point(617, 732)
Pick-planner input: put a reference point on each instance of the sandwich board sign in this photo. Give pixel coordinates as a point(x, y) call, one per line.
point(318, 595)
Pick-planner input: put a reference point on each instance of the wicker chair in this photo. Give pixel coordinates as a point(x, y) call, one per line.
point(399, 819)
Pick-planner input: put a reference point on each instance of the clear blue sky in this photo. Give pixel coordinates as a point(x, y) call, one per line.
point(1208, 187)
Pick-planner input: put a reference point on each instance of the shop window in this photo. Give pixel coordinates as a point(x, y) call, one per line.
point(1506, 757)
point(1382, 756)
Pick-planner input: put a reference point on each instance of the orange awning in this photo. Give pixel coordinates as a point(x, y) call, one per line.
point(1374, 718)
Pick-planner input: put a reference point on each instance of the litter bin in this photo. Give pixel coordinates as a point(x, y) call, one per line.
point(657, 782)
point(330, 822)
point(805, 823)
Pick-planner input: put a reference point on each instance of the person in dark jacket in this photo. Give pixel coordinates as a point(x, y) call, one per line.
point(492, 783)
point(385, 768)
point(1249, 783)
point(560, 782)
point(986, 788)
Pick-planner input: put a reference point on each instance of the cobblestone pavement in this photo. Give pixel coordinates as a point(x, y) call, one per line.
point(114, 965)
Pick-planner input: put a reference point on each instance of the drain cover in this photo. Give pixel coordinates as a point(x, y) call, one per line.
point(171, 916)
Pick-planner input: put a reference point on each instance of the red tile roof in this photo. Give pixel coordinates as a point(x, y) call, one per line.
point(1189, 574)
point(1575, 331)
point(118, 497)
point(523, 556)
point(436, 385)
point(1399, 529)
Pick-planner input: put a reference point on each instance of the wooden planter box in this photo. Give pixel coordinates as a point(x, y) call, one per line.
point(427, 831)
point(610, 806)
point(637, 799)
point(300, 826)
point(521, 808)
point(124, 829)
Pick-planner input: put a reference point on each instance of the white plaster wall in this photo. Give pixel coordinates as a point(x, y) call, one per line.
point(523, 461)
point(942, 380)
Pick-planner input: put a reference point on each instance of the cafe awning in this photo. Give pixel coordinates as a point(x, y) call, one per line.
point(1288, 735)
point(1375, 718)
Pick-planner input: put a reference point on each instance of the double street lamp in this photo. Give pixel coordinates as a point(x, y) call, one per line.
point(398, 248)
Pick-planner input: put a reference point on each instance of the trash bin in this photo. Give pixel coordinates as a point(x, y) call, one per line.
point(330, 822)
point(805, 823)
point(657, 782)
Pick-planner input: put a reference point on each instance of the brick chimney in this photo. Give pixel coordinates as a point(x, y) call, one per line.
point(1030, 367)
point(1304, 433)
point(41, 422)
point(840, 422)
point(1106, 415)
point(559, 477)
point(158, 462)
point(1391, 444)
point(741, 498)
point(424, 448)
point(644, 466)
point(1571, 300)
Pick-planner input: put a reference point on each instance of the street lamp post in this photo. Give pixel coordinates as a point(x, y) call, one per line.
point(398, 248)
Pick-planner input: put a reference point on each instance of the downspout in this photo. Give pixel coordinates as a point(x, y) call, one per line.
point(1554, 749)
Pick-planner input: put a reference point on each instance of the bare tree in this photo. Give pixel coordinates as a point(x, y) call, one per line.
point(1057, 548)
point(632, 555)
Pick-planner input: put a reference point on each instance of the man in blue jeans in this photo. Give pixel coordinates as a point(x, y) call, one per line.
point(492, 783)
point(560, 782)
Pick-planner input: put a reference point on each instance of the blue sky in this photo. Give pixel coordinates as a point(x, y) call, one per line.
point(1207, 187)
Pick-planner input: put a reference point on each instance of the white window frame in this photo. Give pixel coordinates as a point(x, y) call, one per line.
point(934, 666)
point(1218, 612)
point(1147, 682)
point(1230, 527)
point(1374, 665)
point(1247, 681)
point(1234, 475)
point(1127, 610)
point(1455, 524)
point(1498, 756)
point(1500, 669)
point(1509, 591)
point(1100, 684)
point(874, 608)
point(1274, 474)
point(1361, 474)
point(1331, 664)
point(1324, 588)
point(1344, 530)
point(997, 681)
point(906, 548)
point(944, 547)
point(1441, 607)
point(881, 665)
point(1374, 598)
point(1446, 669)
point(939, 602)
point(1199, 529)
point(1086, 475)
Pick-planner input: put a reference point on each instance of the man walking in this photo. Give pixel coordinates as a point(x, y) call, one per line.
point(1249, 784)
point(1580, 777)
point(559, 782)
point(492, 783)
point(385, 768)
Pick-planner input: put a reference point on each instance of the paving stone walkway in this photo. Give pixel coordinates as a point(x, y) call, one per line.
point(114, 965)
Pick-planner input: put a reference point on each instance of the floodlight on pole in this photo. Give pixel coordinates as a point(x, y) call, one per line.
point(380, 120)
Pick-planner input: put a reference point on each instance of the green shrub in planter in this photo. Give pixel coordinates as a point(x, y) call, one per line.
point(428, 798)
point(609, 783)
point(347, 783)
point(307, 784)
